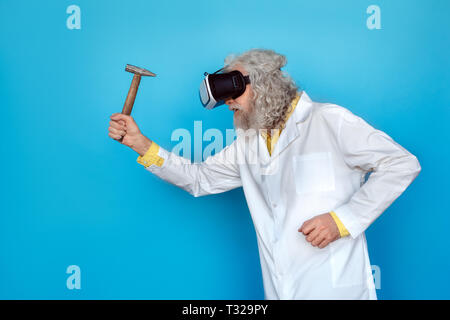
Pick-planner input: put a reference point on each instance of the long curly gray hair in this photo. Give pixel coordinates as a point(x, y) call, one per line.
point(273, 89)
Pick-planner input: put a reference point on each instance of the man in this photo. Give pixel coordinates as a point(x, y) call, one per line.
point(302, 168)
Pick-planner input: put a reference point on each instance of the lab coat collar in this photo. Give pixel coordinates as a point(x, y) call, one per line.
point(303, 108)
point(291, 130)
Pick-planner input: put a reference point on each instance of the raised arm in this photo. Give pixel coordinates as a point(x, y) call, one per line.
point(218, 173)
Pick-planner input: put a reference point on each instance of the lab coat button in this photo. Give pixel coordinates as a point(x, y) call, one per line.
point(274, 205)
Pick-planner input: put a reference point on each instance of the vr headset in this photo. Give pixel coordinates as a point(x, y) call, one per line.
point(218, 87)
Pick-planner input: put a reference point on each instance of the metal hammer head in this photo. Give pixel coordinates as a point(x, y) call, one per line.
point(139, 71)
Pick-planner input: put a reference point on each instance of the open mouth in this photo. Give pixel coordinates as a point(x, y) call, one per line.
point(234, 109)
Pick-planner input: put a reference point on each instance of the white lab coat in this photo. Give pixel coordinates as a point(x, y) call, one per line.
point(318, 165)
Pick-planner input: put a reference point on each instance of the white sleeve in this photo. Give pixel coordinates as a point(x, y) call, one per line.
point(393, 169)
point(218, 173)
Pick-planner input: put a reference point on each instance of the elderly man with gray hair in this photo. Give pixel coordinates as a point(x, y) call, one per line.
point(302, 166)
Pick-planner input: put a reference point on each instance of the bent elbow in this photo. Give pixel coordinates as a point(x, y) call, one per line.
point(417, 164)
point(195, 194)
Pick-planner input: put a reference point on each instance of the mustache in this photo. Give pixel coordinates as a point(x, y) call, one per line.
point(235, 106)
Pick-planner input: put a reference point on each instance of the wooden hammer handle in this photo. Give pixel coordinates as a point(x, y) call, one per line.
point(128, 106)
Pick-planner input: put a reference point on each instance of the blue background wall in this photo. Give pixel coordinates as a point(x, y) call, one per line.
point(71, 195)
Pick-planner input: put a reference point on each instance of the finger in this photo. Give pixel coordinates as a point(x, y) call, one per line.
point(117, 132)
point(313, 234)
point(307, 227)
point(320, 237)
point(114, 136)
point(118, 125)
point(324, 243)
point(116, 128)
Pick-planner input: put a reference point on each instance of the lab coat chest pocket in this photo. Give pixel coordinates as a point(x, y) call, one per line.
point(313, 172)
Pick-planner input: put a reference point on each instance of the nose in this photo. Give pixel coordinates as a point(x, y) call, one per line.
point(229, 101)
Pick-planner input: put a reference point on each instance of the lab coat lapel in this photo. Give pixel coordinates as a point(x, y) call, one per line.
point(291, 130)
point(263, 153)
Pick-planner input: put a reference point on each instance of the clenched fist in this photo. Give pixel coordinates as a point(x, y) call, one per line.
point(124, 129)
point(320, 230)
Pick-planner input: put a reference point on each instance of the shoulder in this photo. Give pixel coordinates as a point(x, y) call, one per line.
point(335, 117)
point(331, 111)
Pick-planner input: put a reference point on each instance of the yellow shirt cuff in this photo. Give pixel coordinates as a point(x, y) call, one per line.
point(151, 157)
point(342, 229)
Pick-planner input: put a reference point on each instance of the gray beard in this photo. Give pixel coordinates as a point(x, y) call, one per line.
point(242, 121)
point(248, 120)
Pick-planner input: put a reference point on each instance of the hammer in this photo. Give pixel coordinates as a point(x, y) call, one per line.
point(138, 72)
